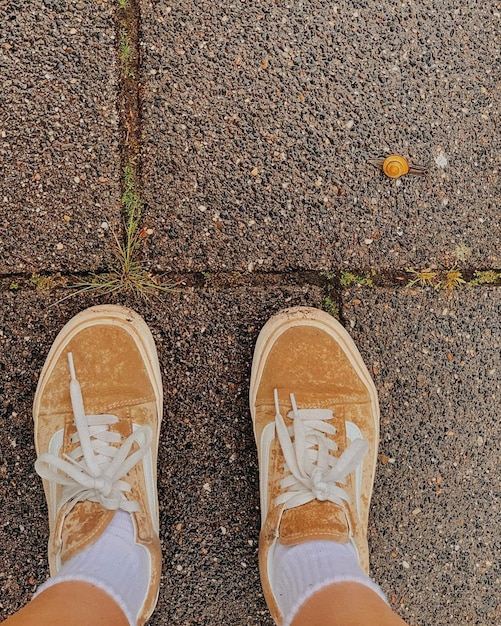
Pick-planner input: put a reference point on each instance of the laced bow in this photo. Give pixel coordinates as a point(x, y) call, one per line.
point(314, 472)
point(94, 470)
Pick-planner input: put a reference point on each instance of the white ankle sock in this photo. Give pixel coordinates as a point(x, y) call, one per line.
point(300, 571)
point(115, 563)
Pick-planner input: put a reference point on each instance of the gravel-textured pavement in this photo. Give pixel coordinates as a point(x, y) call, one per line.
point(436, 361)
point(59, 136)
point(434, 536)
point(255, 121)
point(259, 118)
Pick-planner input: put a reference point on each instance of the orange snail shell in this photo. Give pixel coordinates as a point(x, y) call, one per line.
point(395, 166)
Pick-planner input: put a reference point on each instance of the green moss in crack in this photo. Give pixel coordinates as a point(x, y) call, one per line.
point(487, 277)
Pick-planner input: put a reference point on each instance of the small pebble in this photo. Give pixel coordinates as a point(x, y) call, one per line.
point(441, 161)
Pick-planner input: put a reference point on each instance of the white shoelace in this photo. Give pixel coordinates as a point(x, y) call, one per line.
point(94, 470)
point(314, 472)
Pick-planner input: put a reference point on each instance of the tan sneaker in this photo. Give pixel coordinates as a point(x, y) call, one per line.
point(316, 422)
point(97, 412)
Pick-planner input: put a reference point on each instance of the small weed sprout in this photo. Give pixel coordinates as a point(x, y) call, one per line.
point(328, 275)
point(348, 278)
point(42, 283)
point(423, 278)
point(123, 4)
point(125, 53)
point(331, 307)
point(367, 280)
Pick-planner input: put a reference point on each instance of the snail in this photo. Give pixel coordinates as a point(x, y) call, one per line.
point(395, 166)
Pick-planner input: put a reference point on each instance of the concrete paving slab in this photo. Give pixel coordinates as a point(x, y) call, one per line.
point(433, 529)
point(436, 361)
point(208, 480)
point(258, 119)
point(59, 139)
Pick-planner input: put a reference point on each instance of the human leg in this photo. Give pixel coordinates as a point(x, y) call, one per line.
point(68, 604)
point(316, 421)
point(346, 604)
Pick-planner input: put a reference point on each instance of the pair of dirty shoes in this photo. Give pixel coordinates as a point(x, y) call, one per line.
point(98, 409)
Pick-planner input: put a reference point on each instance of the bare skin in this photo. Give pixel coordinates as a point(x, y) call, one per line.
point(70, 604)
point(346, 604)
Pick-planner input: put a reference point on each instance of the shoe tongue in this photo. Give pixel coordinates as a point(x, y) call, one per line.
point(83, 526)
point(314, 521)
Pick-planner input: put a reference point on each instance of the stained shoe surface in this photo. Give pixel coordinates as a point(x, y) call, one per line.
point(97, 414)
point(316, 422)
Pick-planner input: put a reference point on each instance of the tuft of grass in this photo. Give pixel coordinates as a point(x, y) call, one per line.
point(125, 53)
point(452, 279)
point(331, 307)
point(129, 275)
point(487, 277)
point(14, 286)
point(348, 279)
point(132, 207)
point(123, 4)
point(423, 278)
